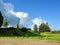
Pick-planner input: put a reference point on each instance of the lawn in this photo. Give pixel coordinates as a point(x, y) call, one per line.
point(50, 36)
point(32, 35)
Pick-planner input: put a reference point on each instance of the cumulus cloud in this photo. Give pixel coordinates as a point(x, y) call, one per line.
point(2, 7)
point(24, 18)
point(8, 7)
point(37, 21)
point(13, 17)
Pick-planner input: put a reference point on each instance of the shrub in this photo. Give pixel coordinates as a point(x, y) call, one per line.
point(24, 29)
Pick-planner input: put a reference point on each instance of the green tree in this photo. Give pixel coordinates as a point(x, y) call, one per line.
point(24, 29)
point(5, 23)
point(17, 26)
point(44, 27)
point(1, 19)
point(35, 28)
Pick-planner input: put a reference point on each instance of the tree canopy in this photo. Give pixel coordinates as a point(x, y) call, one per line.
point(35, 28)
point(5, 23)
point(44, 27)
point(1, 19)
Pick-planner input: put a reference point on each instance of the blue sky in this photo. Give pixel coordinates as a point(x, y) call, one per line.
point(48, 10)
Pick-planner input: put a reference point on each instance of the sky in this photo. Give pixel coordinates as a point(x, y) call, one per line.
point(35, 11)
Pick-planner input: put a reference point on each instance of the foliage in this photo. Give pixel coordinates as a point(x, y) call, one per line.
point(5, 23)
point(24, 29)
point(35, 28)
point(18, 24)
point(16, 32)
point(55, 32)
point(13, 32)
point(1, 19)
point(44, 28)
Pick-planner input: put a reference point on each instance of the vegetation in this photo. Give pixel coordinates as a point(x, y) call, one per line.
point(30, 35)
point(16, 32)
point(24, 29)
point(5, 23)
point(56, 32)
point(1, 19)
point(50, 36)
point(35, 28)
point(44, 27)
point(21, 33)
point(44, 31)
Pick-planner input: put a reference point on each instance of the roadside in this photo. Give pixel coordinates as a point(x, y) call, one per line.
point(27, 42)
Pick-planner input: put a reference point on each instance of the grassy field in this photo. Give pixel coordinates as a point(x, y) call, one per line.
point(28, 41)
point(42, 36)
point(31, 39)
point(50, 36)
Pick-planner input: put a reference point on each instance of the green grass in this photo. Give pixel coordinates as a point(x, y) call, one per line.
point(50, 36)
point(33, 35)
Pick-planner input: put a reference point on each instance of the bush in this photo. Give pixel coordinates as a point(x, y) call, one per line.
point(24, 29)
point(12, 31)
point(55, 31)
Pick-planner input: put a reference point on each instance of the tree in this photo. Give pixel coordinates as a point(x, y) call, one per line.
point(44, 27)
point(1, 19)
point(5, 23)
point(35, 28)
point(24, 29)
point(18, 24)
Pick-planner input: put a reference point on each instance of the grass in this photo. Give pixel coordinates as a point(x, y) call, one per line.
point(50, 36)
point(33, 35)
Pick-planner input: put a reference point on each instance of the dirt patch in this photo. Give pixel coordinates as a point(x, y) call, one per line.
point(26, 42)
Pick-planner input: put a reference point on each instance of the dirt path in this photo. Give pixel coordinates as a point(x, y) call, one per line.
point(26, 42)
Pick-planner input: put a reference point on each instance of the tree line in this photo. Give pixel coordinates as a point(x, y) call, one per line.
point(42, 28)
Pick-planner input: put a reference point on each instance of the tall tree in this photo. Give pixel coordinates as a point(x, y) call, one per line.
point(5, 23)
point(1, 19)
point(44, 27)
point(17, 26)
point(35, 28)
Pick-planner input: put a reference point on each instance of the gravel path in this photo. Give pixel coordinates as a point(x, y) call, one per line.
point(27, 42)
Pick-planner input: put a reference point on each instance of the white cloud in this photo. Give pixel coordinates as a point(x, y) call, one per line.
point(24, 18)
point(8, 7)
point(38, 21)
point(2, 7)
point(12, 17)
